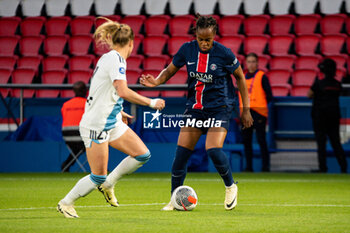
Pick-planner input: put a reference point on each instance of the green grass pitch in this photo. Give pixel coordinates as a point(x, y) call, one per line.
point(266, 203)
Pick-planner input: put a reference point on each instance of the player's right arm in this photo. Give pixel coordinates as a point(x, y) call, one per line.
point(149, 81)
point(126, 93)
point(179, 60)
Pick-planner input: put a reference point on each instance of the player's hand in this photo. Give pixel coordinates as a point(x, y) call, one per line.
point(126, 118)
point(148, 80)
point(246, 119)
point(157, 104)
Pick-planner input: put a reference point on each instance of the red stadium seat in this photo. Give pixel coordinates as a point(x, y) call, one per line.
point(9, 25)
point(230, 25)
point(54, 63)
point(154, 45)
point(135, 22)
point(304, 77)
point(57, 26)
point(79, 75)
point(340, 60)
point(8, 45)
point(32, 26)
point(155, 25)
point(51, 77)
point(280, 45)
point(99, 21)
point(340, 74)
point(282, 63)
point(29, 62)
point(306, 45)
point(241, 59)
point(280, 90)
point(30, 45)
point(179, 78)
point(81, 63)
point(22, 76)
point(281, 25)
point(232, 42)
point(8, 62)
point(5, 75)
point(82, 25)
point(347, 25)
point(180, 25)
point(256, 25)
point(300, 91)
point(55, 45)
point(137, 42)
point(67, 94)
point(155, 63)
point(150, 93)
point(332, 24)
point(264, 60)
point(134, 62)
point(278, 77)
point(79, 45)
point(132, 76)
point(255, 44)
point(175, 42)
point(348, 65)
point(307, 62)
point(332, 44)
point(306, 24)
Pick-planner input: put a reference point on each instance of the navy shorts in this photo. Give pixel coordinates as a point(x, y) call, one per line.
point(210, 118)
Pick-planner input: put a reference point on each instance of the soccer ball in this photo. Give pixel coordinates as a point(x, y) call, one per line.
point(184, 198)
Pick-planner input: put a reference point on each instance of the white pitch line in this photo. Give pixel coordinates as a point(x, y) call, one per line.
point(204, 204)
point(244, 180)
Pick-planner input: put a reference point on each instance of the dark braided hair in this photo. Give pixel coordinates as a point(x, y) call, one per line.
point(203, 22)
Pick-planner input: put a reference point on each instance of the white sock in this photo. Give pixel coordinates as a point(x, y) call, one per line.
point(125, 167)
point(82, 188)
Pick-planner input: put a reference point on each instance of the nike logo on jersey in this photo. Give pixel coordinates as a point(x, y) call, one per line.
point(190, 63)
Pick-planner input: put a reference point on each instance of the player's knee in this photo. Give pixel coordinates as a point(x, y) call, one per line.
point(144, 158)
point(97, 179)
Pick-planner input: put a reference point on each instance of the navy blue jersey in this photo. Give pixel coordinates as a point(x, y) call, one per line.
point(209, 75)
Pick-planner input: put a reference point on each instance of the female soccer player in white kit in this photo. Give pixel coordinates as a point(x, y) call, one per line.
point(102, 125)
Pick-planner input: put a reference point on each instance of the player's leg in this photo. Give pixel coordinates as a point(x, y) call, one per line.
point(130, 144)
point(213, 144)
point(334, 138)
point(247, 136)
point(97, 155)
point(321, 140)
point(187, 140)
point(260, 127)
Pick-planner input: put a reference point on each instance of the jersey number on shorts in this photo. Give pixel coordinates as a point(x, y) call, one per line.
point(98, 135)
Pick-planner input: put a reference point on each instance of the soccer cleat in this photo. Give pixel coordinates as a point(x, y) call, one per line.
point(67, 210)
point(231, 197)
point(108, 193)
point(168, 207)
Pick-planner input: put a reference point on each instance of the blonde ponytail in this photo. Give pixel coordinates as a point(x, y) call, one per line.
point(113, 33)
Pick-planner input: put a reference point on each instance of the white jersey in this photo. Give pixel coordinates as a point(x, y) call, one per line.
point(103, 106)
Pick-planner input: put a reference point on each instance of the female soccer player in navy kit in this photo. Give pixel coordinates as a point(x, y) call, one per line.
point(210, 95)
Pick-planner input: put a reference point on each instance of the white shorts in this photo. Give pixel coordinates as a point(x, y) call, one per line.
point(98, 137)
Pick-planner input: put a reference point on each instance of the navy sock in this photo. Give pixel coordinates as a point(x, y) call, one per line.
point(221, 164)
point(179, 168)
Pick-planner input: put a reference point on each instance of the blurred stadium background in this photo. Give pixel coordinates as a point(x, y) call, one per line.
point(49, 42)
